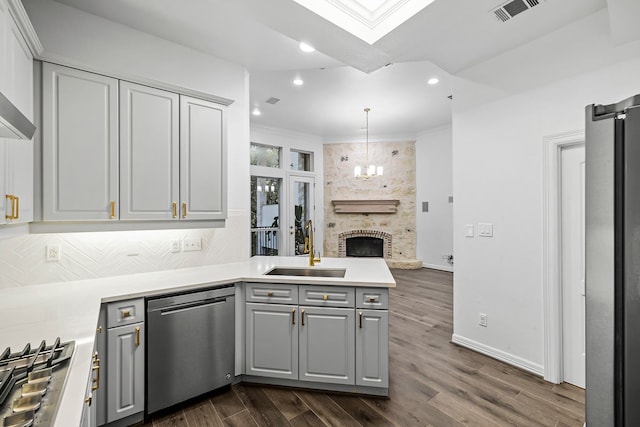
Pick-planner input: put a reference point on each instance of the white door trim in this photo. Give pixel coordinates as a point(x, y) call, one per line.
point(551, 262)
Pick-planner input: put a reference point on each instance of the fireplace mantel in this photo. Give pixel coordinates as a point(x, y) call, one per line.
point(365, 206)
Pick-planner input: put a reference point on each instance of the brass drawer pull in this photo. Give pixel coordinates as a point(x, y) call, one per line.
point(113, 209)
point(372, 299)
point(269, 294)
point(89, 399)
point(184, 210)
point(137, 336)
point(126, 313)
point(325, 297)
point(96, 380)
point(175, 210)
point(293, 316)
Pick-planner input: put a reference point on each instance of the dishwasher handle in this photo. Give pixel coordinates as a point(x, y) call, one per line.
point(190, 305)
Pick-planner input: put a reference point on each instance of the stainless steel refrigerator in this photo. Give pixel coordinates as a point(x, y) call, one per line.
point(613, 264)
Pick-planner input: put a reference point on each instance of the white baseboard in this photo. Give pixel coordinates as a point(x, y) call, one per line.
point(438, 267)
point(500, 355)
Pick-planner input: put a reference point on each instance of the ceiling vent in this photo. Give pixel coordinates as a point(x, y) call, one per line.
point(272, 100)
point(513, 8)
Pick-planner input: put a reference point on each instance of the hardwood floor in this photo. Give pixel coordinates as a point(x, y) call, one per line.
point(432, 381)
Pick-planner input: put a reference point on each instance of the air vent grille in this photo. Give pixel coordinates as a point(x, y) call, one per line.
point(513, 8)
point(272, 100)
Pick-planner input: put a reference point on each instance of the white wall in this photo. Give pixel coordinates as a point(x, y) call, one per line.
point(498, 178)
point(289, 140)
point(434, 184)
point(76, 38)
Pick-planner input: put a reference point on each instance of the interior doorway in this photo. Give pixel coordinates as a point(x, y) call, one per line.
point(563, 258)
point(572, 230)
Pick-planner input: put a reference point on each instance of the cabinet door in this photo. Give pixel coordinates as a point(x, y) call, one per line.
point(202, 160)
point(149, 153)
point(125, 371)
point(19, 179)
point(327, 345)
point(19, 71)
point(80, 145)
point(372, 348)
point(272, 340)
point(5, 203)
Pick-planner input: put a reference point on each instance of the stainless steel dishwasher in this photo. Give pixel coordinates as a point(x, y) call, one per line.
point(190, 345)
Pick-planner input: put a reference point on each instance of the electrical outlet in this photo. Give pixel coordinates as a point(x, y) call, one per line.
point(175, 246)
point(53, 253)
point(482, 320)
point(192, 245)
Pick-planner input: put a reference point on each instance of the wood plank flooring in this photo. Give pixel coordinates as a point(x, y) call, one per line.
point(432, 381)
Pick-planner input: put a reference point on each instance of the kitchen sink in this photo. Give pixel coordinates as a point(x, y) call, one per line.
point(302, 271)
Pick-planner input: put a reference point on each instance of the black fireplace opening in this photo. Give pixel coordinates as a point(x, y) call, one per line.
point(365, 247)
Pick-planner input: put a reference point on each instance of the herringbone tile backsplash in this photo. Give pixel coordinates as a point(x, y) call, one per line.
point(102, 254)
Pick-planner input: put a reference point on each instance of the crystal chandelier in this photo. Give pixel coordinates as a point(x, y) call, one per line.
point(369, 170)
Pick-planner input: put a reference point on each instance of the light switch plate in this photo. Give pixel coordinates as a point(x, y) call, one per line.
point(485, 230)
point(468, 230)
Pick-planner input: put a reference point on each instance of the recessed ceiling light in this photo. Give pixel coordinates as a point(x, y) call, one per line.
point(433, 81)
point(298, 82)
point(306, 47)
point(256, 112)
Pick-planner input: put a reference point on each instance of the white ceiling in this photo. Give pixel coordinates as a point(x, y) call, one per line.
point(346, 74)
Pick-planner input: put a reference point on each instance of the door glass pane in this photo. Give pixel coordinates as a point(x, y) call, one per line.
point(301, 161)
point(265, 215)
point(302, 206)
point(264, 155)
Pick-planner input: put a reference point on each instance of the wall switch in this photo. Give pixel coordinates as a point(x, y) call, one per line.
point(468, 230)
point(482, 320)
point(53, 253)
point(192, 244)
point(485, 230)
point(176, 246)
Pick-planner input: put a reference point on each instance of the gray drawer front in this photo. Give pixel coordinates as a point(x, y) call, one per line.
point(271, 293)
point(121, 313)
point(327, 296)
point(372, 298)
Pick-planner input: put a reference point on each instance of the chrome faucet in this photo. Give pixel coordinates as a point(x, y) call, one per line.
point(312, 259)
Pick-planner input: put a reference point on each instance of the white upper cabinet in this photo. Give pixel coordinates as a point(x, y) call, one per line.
point(149, 153)
point(80, 145)
point(202, 160)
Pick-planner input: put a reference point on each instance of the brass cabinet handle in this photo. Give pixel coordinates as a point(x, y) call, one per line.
point(269, 294)
point(99, 329)
point(175, 210)
point(96, 380)
point(137, 336)
point(184, 210)
point(302, 316)
point(372, 299)
point(293, 316)
point(16, 215)
point(89, 399)
point(126, 313)
point(360, 316)
point(12, 198)
point(325, 297)
point(113, 209)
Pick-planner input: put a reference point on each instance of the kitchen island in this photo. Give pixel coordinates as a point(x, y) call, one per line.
point(70, 310)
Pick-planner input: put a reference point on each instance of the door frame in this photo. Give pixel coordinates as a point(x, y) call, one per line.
point(551, 250)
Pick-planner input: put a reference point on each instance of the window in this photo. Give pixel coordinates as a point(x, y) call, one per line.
point(265, 155)
point(301, 161)
point(265, 215)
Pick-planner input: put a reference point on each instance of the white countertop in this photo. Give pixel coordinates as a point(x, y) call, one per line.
point(70, 310)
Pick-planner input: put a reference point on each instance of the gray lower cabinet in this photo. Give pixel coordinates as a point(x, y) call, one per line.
point(272, 340)
point(125, 371)
point(334, 335)
point(327, 345)
point(372, 348)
